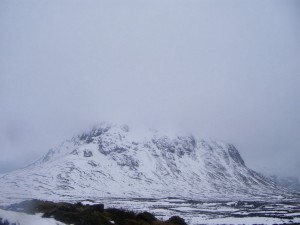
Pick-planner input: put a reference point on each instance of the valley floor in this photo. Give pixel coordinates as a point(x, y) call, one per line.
point(215, 212)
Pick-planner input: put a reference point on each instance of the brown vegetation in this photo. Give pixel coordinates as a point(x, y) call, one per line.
point(79, 214)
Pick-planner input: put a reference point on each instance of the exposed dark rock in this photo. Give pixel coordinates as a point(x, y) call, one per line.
point(74, 152)
point(176, 220)
point(92, 163)
point(88, 137)
point(235, 155)
point(87, 153)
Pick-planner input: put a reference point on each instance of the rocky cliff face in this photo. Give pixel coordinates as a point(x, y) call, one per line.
point(113, 161)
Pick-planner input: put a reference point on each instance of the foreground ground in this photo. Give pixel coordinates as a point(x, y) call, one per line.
point(193, 212)
point(79, 214)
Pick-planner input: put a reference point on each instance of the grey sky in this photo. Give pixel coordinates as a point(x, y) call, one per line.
point(223, 69)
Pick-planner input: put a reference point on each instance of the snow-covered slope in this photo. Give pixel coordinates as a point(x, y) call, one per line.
point(114, 161)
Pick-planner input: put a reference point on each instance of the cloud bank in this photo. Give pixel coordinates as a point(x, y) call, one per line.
point(222, 69)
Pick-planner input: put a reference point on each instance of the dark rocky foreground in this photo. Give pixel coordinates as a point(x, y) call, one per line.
point(79, 214)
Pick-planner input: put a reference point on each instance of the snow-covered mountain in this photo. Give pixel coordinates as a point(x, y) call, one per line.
point(115, 161)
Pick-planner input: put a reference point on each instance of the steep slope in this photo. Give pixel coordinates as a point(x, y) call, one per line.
point(113, 161)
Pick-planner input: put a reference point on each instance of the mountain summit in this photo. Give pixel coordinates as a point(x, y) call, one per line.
point(115, 161)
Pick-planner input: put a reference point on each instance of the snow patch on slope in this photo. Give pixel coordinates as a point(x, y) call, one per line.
point(17, 218)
